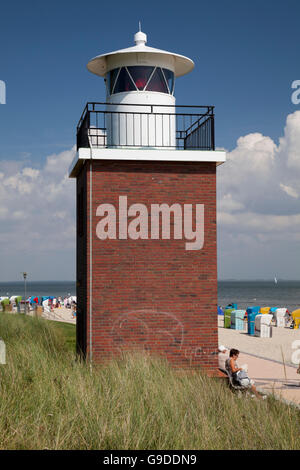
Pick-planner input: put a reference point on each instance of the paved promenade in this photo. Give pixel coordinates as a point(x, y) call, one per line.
point(269, 360)
point(273, 377)
point(60, 314)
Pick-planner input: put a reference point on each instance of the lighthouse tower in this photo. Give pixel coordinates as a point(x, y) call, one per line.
point(146, 214)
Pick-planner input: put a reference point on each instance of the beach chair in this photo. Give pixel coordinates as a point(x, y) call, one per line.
point(262, 326)
point(237, 319)
point(220, 319)
point(264, 310)
point(280, 317)
point(227, 317)
point(296, 319)
point(233, 306)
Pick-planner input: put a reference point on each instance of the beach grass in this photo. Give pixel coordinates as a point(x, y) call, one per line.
point(50, 400)
point(67, 333)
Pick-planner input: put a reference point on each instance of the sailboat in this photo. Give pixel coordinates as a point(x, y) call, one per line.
point(275, 280)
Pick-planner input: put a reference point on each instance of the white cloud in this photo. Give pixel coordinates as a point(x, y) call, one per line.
point(37, 214)
point(258, 211)
point(31, 173)
point(289, 145)
point(229, 204)
point(18, 215)
point(258, 201)
point(3, 213)
point(290, 191)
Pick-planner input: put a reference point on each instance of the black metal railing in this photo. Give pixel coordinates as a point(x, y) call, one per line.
point(152, 126)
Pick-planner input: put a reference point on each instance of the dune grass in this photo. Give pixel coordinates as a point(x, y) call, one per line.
point(49, 400)
point(67, 333)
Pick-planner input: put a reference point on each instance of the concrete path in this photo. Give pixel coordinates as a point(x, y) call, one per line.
point(273, 377)
point(60, 314)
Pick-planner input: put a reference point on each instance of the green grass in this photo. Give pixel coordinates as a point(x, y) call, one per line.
point(49, 400)
point(67, 333)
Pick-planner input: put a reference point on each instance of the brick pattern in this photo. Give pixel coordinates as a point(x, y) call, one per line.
point(81, 261)
point(149, 294)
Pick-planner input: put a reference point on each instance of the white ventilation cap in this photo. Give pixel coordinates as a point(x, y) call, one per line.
point(140, 38)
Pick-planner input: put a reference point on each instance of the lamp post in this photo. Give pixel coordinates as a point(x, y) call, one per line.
point(25, 277)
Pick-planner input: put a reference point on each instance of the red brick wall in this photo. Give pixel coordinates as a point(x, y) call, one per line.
point(150, 294)
point(81, 261)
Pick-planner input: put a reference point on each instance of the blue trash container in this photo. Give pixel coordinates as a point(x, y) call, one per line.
point(255, 309)
point(251, 314)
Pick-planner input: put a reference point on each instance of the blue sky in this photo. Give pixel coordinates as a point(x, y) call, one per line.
point(246, 56)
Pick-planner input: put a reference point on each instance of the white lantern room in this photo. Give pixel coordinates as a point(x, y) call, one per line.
point(140, 81)
point(140, 112)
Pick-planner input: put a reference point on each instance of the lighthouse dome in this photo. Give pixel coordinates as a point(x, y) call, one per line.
point(140, 54)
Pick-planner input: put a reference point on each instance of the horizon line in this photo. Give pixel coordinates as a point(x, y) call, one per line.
point(219, 280)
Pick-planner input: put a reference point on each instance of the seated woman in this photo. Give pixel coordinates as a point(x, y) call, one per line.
point(232, 368)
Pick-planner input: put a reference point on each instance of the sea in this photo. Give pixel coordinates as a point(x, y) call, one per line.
point(38, 288)
point(243, 293)
point(263, 293)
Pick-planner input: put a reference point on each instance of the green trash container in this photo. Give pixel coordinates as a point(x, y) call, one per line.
point(227, 317)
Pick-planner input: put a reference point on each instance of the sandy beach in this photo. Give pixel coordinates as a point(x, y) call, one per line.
point(61, 314)
point(278, 348)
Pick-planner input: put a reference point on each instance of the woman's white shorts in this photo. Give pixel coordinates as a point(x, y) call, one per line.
point(247, 382)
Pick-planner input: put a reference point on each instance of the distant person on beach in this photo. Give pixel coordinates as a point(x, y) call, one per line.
point(74, 307)
point(239, 374)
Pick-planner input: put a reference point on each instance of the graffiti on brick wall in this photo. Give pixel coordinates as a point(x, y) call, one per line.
point(146, 327)
point(149, 329)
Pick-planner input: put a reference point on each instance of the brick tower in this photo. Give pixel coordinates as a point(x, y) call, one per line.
point(146, 214)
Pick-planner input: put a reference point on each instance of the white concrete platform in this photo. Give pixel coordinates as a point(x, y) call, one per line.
point(145, 154)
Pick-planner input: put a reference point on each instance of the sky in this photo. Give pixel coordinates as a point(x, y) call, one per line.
point(246, 56)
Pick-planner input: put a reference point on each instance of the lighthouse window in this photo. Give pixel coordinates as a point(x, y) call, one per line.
point(157, 82)
point(124, 82)
point(111, 76)
point(140, 78)
point(140, 75)
point(169, 76)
